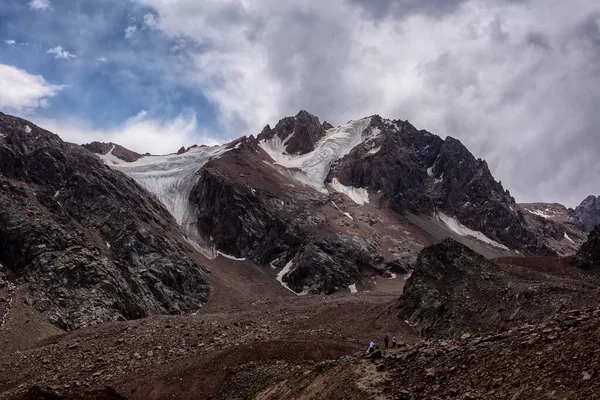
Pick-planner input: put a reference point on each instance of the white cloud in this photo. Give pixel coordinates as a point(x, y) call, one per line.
point(21, 91)
point(59, 52)
point(10, 42)
point(150, 20)
point(101, 58)
point(139, 133)
point(507, 83)
point(130, 31)
point(40, 4)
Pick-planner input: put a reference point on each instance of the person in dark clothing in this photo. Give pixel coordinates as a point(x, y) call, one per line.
point(386, 341)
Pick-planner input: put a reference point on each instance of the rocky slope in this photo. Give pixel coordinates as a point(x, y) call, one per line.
point(420, 173)
point(588, 257)
point(454, 291)
point(552, 360)
point(560, 227)
point(297, 135)
point(588, 212)
point(248, 211)
point(85, 244)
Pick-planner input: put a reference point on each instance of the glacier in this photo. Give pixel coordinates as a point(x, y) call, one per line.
point(169, 177)
point(359, 195)
point(312, 168)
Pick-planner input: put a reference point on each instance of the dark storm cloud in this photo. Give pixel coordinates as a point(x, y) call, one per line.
point(515, 81)
point(538, 39)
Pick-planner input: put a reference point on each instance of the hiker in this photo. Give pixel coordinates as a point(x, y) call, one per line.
point(394, 341)
point(386, 341)
point(371, 347)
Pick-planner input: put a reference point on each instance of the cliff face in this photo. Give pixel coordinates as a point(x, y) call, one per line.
point(88, 242)
point(589, 254)
point(588, 213)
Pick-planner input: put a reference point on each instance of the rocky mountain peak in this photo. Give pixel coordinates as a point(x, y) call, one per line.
point(112, 149)
point(298, 134)
point(588, 212)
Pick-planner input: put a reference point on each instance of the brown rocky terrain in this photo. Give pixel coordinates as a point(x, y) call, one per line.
point(84, 244)
point(556, 359)
point(454, 290)
point(250, 332)
point(184, 281)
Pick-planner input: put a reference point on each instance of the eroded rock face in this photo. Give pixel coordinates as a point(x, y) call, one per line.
point(589, 212)
point(245, 208)
point(91, 244)
point(454, 290)
point(330, 264)
point(299, 133)
point(558, 226)
point(423, 174)
point(589, 254)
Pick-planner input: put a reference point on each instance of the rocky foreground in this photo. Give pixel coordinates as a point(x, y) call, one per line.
point(557, 359)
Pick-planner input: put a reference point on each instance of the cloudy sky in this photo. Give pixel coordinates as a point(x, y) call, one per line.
point(517, 81)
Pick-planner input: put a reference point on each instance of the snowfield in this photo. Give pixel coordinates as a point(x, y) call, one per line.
point(287, 268)
point(462, 230)
point(359, 195)
point(170, 177)
point(312, 168)
point(568, 238)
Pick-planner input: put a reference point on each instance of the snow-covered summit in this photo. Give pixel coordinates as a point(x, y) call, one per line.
point(312, 168)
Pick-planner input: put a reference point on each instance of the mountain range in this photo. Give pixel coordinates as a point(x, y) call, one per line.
point(99, 235)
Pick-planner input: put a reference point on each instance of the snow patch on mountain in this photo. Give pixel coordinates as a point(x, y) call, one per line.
point(359, 195)
point(568, 238)
point(110, 159)
point(287, 268)
point(462, 230)
point(312, 168)
point(353, 288)
point(170, 177)
point(27, 129)
point(374, 150)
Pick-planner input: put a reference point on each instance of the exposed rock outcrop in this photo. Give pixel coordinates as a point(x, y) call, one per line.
point(245, 208)
point(588, 212)
point(558, 226)
point(90, 243)
point(298, 134)
point(454, 290)
point(589, 254)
